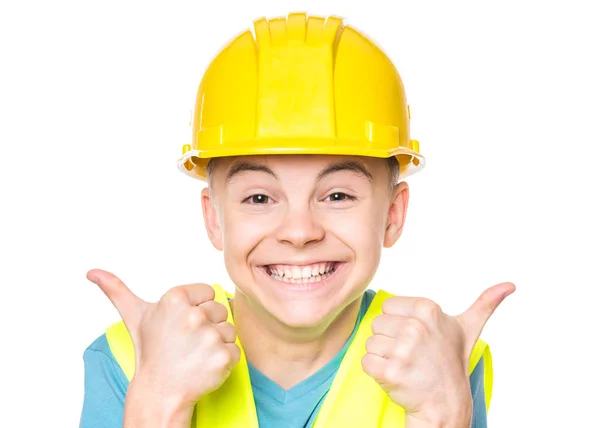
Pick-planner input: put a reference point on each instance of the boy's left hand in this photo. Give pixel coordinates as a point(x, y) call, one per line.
point(420, 356)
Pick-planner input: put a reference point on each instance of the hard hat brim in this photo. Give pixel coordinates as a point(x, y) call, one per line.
point(193, 162)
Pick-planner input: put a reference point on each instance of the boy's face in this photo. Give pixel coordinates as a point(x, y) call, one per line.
point(302, 234)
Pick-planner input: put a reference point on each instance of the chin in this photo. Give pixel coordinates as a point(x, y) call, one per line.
point(303, 314)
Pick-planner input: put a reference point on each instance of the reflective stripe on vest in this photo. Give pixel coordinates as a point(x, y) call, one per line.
point(354, 399)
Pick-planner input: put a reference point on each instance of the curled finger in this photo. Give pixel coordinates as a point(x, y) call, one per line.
point(226, 331)
point(215, 311)
point(235, 352)
point(380, 345)
point(374, 365)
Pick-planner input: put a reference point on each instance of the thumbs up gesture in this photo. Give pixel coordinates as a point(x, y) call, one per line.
point(184, 347)
point(420, 356)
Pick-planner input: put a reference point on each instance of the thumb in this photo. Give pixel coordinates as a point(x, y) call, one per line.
point(474, 319)
point(127, 303)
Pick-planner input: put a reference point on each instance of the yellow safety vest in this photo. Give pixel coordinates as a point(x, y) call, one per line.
point(354, 399)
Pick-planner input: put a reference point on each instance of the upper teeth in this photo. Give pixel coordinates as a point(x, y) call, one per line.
point(297, 272)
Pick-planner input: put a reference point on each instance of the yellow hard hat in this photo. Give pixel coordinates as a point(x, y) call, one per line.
point(305, 85)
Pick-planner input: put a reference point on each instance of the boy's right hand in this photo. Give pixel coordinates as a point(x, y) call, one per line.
point(184, 347)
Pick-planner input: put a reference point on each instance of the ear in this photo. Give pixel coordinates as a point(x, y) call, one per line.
point(396, 214)
point(211, 219)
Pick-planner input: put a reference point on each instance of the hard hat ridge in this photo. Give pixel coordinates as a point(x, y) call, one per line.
point(305, 85)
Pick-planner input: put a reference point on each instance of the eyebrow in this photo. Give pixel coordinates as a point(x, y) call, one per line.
point(242, 167)
point(353, 166)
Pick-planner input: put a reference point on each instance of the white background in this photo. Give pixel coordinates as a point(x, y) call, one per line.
point(95, 100)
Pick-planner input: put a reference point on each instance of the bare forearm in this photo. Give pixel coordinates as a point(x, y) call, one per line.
point(455, 416)
point(418, 423)
point(146, 408)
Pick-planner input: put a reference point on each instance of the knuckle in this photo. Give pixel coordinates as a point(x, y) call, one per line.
point(402, 353)
point(195, 318)
point(427, 307)
point(212, 337)
point(416, 328)
point(392, 372)
point(174, 297)
point(221, 358)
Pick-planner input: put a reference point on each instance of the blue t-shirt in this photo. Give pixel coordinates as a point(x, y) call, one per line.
point(297, 407)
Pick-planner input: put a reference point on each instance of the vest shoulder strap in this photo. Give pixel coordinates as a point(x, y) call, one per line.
point(121, 346)
point(481, 351)
point(356, 399)
point(232, 404)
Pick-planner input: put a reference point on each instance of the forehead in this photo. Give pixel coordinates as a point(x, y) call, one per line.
point(308, 165)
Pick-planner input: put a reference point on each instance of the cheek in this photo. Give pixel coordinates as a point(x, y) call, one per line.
point(241, 234)
point(362, 226)
point(363, 231)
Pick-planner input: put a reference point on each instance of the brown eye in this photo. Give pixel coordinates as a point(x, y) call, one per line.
point(339, 196)
point(258, 199)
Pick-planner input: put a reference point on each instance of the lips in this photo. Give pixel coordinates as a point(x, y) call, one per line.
point(301, 274)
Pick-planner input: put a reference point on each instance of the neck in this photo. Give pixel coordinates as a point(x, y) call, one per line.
point(288, 355)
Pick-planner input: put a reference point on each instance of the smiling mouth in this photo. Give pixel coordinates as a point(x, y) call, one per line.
point(305, 274)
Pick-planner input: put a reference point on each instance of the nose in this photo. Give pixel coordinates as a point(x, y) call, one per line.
point(299, 228)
